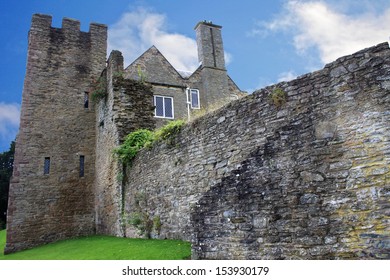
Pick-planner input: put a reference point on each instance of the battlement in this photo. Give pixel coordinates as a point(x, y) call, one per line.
point(97, 27)
point(207, 23)
point(68, 40)
point(70, 25)
point(42, 22)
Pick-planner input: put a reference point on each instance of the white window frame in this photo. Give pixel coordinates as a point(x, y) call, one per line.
point(155, 109)
point(189, 97)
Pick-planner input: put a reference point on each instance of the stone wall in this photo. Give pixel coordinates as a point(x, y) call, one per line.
point(56, 124)
point(302, 176)
point(127, 107)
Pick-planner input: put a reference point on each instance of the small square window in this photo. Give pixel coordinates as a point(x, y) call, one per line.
point(46, 166)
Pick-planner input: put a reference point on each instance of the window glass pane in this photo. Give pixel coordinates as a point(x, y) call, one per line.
point(46, 168)
point(194, 98)
point(82, 158)
point(86, 100)
point(168, 107)
point(159, 103)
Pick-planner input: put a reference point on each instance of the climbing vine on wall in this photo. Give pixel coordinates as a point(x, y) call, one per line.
point(145, 223)
point(143, 138)
point(134, 142)
point(99, 89)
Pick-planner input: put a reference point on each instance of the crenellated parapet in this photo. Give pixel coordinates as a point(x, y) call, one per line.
point(42, 22)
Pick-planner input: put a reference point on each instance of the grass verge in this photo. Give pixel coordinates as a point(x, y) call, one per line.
point(103, 248)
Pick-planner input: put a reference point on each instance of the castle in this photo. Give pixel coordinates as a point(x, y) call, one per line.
point(56, 154)
point(297, 170)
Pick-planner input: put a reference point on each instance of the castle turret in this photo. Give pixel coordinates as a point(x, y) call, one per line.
point(214, 77)
point(51, 192)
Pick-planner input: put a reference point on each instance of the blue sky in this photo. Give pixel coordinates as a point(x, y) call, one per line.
point(265, 41)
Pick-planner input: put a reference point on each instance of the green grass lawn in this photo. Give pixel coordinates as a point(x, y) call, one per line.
point(103, 248)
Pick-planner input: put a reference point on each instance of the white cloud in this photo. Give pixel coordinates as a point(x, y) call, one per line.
point(287, 76)
point(261, 82)
point(137, 31)
point(9, 120)
point(228, 58)
point(333, 33)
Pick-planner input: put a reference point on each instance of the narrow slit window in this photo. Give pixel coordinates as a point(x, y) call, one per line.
point(46, 166)
point(82, 162)
point(86, 100)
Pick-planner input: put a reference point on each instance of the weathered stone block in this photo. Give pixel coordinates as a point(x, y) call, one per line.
point(325, 130)
point(311, 177)
point(309, 198)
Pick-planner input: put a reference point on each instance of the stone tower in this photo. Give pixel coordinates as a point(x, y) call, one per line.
point(211, 57)
point(51, 192)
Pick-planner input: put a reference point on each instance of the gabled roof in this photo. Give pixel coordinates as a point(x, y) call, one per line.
point(155, 68)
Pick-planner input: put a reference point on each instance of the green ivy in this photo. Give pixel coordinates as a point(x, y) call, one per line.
point(99, 89)
point(142, 138)
point(157, 224)
point(142, 222)
point(170, 129)
point(134, 142)
point(140, 218)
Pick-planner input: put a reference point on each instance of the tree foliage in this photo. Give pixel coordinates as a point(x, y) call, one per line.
point(6, 167)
